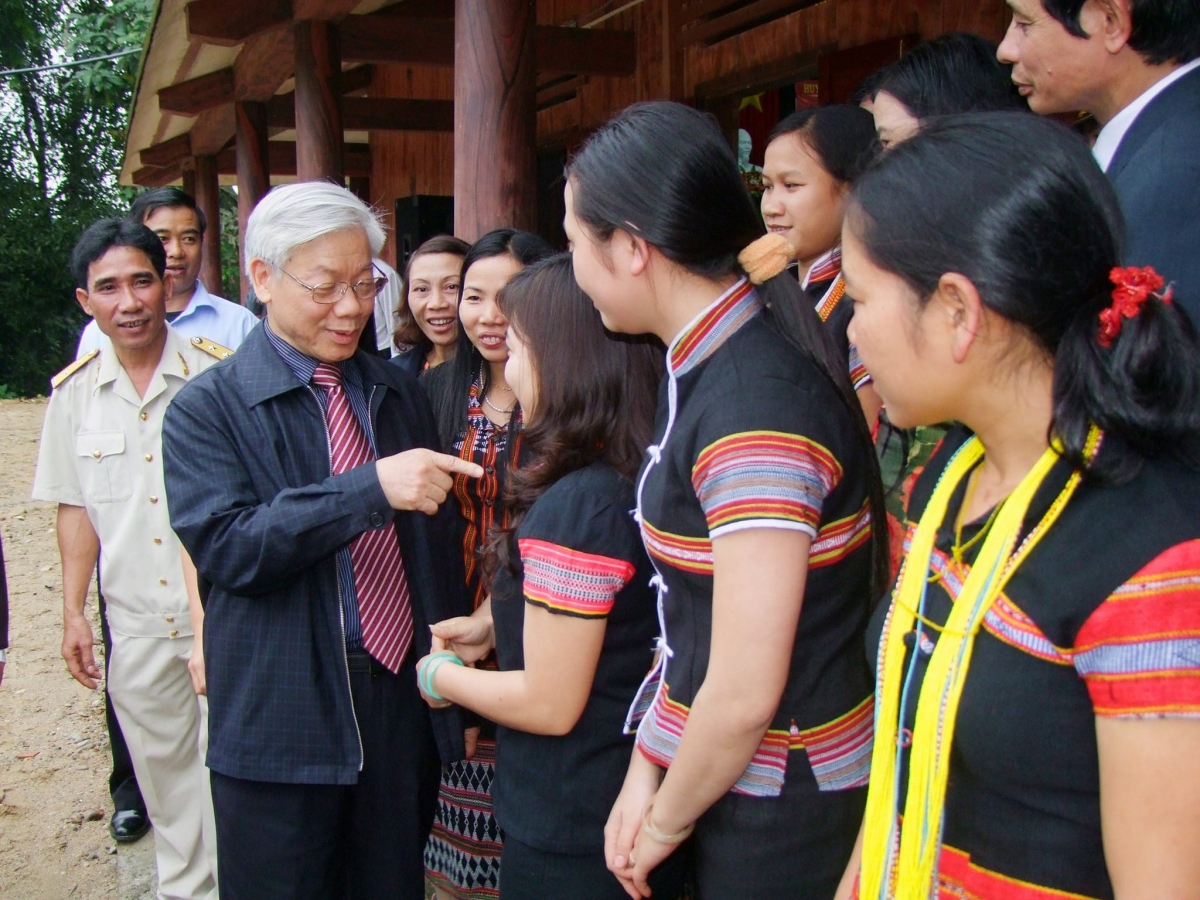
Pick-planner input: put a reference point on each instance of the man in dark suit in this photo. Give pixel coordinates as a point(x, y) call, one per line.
point(301, 480)
point(1135, 66)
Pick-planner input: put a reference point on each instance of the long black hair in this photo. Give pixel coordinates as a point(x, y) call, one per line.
point(664, 172)
point(1017, 204)
point(954, 73)
point(449, 385)
point(596, 392)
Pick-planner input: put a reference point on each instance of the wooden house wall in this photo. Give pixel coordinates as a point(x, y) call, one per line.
point(404, 163)
point(841, 24)
point(598, 98)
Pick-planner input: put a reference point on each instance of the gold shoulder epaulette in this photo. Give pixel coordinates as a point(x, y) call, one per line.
point(212, 348)
point(73, 368)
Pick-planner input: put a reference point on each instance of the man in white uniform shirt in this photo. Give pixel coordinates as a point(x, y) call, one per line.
point(173, 215)
point(192, 310)
point(100, 460)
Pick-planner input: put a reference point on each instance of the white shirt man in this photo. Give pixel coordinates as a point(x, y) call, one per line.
point(100, 460)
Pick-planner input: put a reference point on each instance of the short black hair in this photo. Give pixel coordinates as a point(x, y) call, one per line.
point(1164, 31)
point(104, 234)
point(954, 73)
point(165, 198)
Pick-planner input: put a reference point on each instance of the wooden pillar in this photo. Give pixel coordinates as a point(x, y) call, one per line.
point(495, 116)
point(318, 103)
point(253, 169)
point(189, 178)
point(208, 198)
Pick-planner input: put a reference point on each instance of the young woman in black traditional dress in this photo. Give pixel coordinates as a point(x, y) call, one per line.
point(573, 611)
point(756, 504)
point(811, 161)
point(1038, 692)
point(478, 419)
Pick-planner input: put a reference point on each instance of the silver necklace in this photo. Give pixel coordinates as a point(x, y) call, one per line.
point(503, 412)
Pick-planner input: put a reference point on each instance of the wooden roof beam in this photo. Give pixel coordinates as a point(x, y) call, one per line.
point(368, 113)
point(712, 22)
point(585, 51)
point(382, 38)
point(157, 176)
point(169, 152)
point(356, 159)
point(194, 96)
point(227, 23)
point(397, 39)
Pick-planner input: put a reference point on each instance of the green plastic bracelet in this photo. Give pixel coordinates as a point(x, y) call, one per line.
point(429, 668)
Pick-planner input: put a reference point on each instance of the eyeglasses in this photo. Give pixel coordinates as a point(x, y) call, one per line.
point(332, 291)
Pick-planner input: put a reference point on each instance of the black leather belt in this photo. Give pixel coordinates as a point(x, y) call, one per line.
point(361, 662)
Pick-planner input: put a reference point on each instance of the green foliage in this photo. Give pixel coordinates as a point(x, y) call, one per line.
point(61, 142)
point(231, 276)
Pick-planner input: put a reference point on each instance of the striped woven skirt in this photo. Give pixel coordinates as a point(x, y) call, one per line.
point(462, 857)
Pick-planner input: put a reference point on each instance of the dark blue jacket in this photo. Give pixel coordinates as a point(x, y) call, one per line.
point(1156, 174)
point(411, 361)
point(247, 473)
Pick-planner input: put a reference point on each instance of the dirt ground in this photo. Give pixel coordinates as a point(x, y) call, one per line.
point(53, 747)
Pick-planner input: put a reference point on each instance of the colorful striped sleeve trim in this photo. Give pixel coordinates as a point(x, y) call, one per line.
point(1139, 652)
point(837, 540)
point(765, 479)
point(571, 582)
point(859, 376)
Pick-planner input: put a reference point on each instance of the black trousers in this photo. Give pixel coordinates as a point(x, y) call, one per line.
point(527, 873)
point(122, 783)
point(339, 842)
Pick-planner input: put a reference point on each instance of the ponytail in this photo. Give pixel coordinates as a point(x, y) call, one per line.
point(790, 313)
point(1143, 390)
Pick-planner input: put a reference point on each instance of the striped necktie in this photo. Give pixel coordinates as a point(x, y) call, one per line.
point(383, 597)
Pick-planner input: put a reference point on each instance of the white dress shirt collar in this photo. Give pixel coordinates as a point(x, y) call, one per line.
point(1113, 133)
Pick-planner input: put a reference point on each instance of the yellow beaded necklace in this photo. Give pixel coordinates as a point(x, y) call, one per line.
point(900, 861)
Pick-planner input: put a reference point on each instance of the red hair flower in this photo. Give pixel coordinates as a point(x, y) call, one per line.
point(1134, 287)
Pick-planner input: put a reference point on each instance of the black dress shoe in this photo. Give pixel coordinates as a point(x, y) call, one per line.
point(128, 825)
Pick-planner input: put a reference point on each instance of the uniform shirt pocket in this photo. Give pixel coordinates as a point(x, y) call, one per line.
point(103, 466)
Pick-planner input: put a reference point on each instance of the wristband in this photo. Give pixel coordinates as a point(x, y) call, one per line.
point(429, 668)
point(677, 838)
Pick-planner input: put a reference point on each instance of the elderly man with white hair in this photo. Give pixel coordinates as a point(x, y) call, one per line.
point(303, 481)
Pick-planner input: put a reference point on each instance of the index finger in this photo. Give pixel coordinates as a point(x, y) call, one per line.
point(453, 464)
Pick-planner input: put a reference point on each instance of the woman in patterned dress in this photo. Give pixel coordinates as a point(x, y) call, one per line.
point(812, 159)
point(1038, 691)
point(571, 612)
point(479, 420)
point(757, 498)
